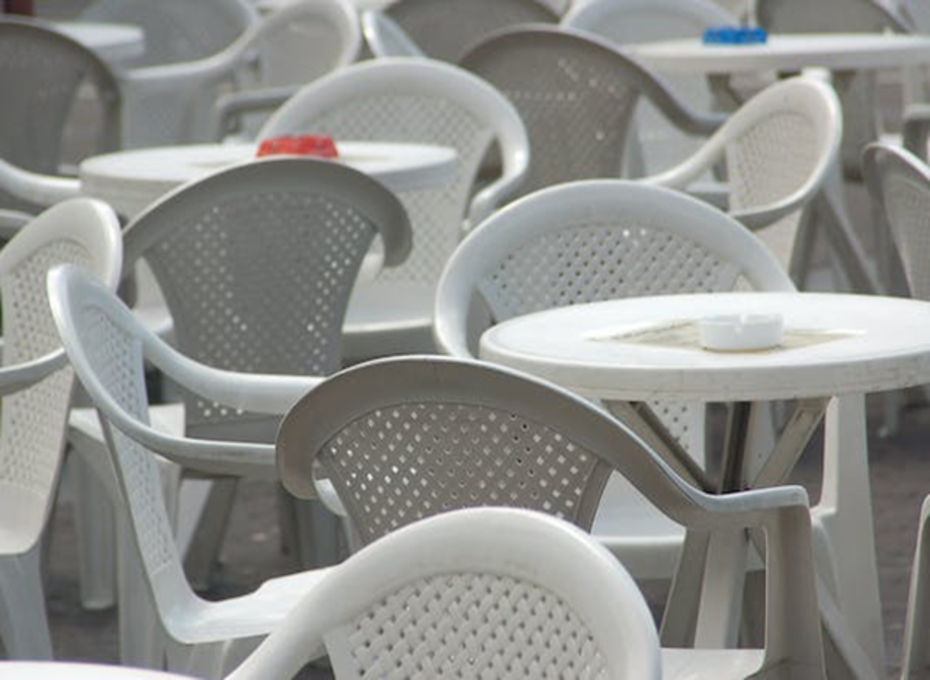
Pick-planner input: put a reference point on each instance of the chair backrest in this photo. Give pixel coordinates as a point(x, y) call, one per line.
point(517, 594)
point(177, 30)
point(576, 94)
point(446, 29)
point(776, 151)
point(595, 240)
point(324, 36)
point(421, 101)
point(41, 74)
point(634, 21)
point(861, 117)
point(35, 380)
point(407, 438)
point(899, 183)
point(256, 264)
point(105, 343)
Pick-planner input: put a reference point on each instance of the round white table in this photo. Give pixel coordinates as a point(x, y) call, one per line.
point(113, 43)
point(837, 348)
point(131, 180)
point(831, 51)
point(65, 670)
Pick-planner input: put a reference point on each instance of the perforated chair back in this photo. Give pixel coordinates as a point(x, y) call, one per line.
point(576, 95)
point(446, 29)
point(177, 30)
point(256, 264)
point(41, 73)
point(597, 240)
point(622, 22)
point(420, 101)
point(899, 183)
point(34, 380)
point(861, 117)
point(518, 594)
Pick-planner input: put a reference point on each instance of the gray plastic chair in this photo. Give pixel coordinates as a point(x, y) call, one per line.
point(534, 596)
point(420, 101)
point(41, 72)
point(599, 240)
point(861, 114)
point(577, 95)
point(35, 383)
point(408, 438)
point(446, 29)
point(109, 349)
point(256, 264)
point(622, 22)
point(177, 30)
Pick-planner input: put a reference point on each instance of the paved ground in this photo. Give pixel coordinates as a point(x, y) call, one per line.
point(900, 477)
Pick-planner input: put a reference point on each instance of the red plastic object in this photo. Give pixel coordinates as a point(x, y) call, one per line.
point(299, 145)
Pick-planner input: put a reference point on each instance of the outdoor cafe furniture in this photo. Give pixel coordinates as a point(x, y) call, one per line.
point(36, 383)
point(495, 593)
point(425, 102)
point(836, 349)
point(256, 264)
point(407, 438)
point(603, 240)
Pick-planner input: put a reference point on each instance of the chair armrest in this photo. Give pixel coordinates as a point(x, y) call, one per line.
point(916, 129)
point(385, 37)
point(43, 190)
point(26, 374)
point(230, 107)
point(490, 198)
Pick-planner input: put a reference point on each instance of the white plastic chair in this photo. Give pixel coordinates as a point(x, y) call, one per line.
point(174, 103)
point(256, 264)
point(446, 29)
point(407, 438)
point(777, 150)
point(43, 71)
point(108, 349)
point(423, 101)
point(577, 95)
point(636, 21)
point(495, 593)
point(385, 37)
point(597, 240)
point(174, 30)
point(36, 387)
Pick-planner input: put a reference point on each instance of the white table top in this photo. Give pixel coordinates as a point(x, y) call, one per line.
point(111, 42)
point(131, 180)
point(832, 51)
point(876, 343)
point(63, 670)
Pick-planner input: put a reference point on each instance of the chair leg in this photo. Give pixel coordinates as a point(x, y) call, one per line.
point(23, 622)
point(844, 515)
point(141, 640)
point(96, 532)
point(915, 662)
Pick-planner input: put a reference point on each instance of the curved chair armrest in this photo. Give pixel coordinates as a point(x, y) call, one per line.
point(743, 509)
point(327, 494)
point(257, 393)
point(492, 196)
point(20, 376)
point(916, 129)
point(44, 190)
point(685, 116)
point(385, 37)
point(231, 106)
point(236, 459)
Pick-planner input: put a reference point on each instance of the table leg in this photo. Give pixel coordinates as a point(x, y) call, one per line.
point(649, 427)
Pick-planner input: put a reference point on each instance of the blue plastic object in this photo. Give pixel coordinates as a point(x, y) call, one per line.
point(735, 35)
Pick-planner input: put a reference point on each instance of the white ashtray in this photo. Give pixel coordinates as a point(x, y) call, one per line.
point(741, 332)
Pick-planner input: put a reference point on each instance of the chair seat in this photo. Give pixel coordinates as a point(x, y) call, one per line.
point(388, 317)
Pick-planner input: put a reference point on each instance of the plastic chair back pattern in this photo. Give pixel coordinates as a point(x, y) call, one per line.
point(446, 29)
point(257, 263)
point(41, 72)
